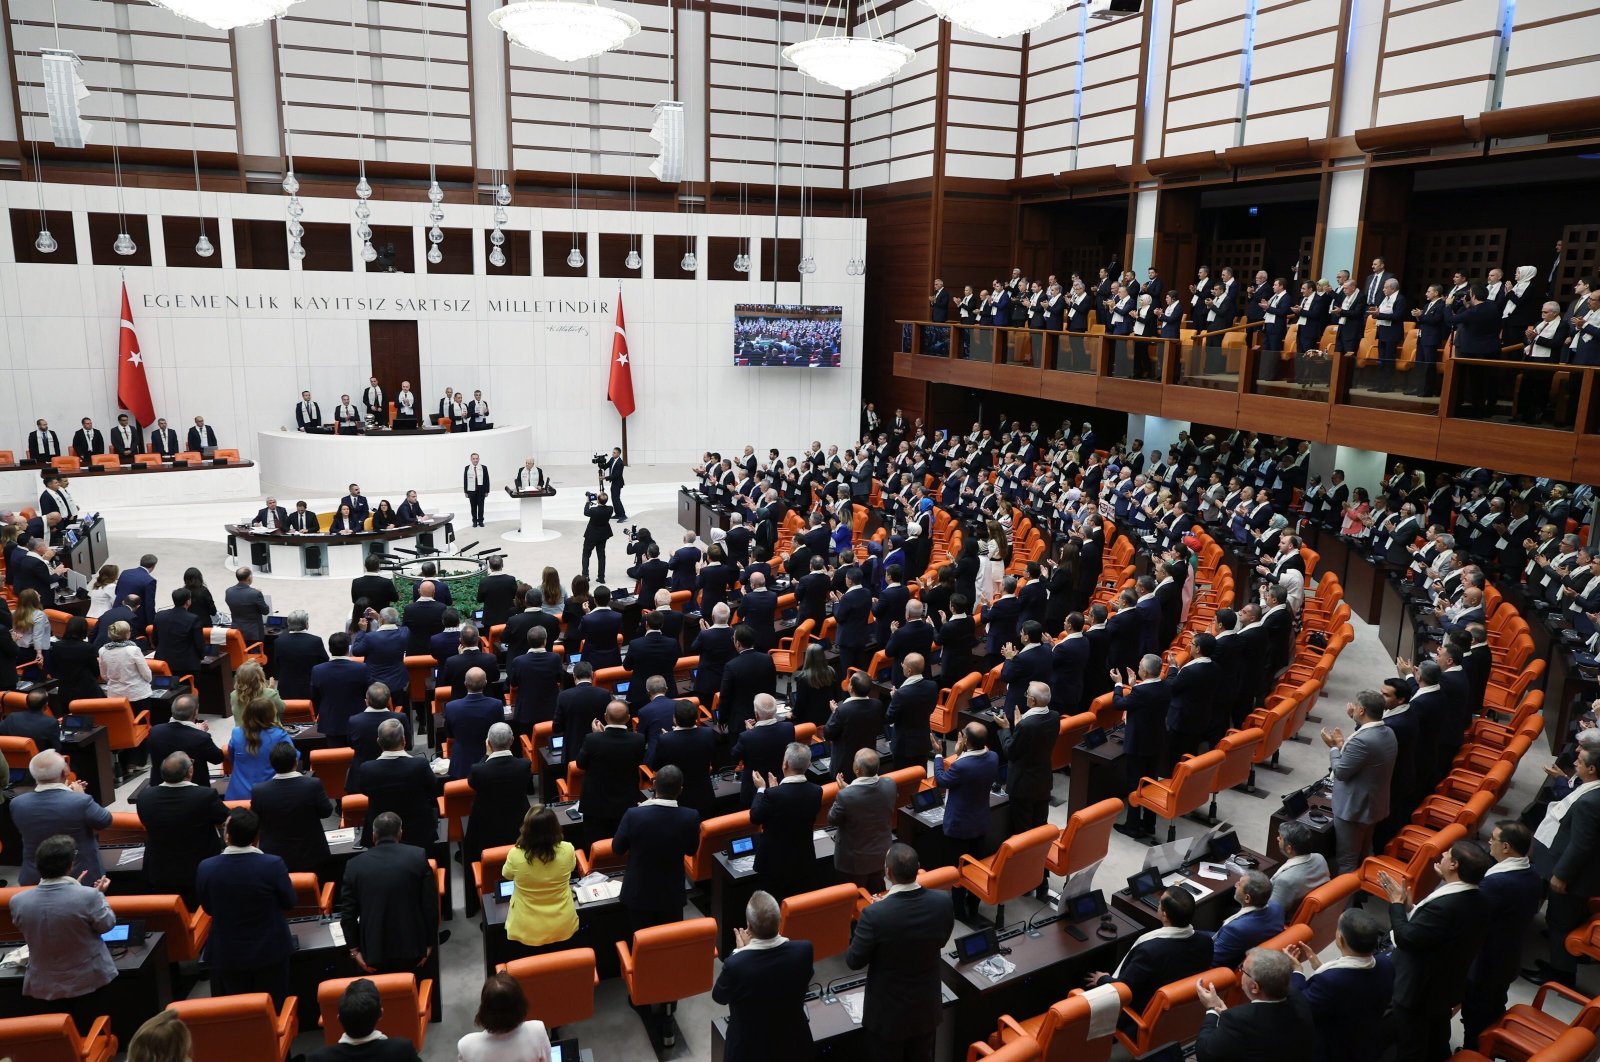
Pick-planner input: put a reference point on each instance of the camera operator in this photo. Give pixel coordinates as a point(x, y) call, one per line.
point(613, 473)
point(597, 532)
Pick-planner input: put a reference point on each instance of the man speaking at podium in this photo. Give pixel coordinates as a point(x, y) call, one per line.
point(475, 484)
point(530, 477)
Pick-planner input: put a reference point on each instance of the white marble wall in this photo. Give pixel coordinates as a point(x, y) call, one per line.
point(242, 366)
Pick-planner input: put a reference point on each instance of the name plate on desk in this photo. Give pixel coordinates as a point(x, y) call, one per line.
point(347, 835)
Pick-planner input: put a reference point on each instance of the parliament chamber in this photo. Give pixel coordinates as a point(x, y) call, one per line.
point(1034, 530)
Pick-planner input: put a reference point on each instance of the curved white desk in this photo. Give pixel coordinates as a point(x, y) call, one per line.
point(388, 466)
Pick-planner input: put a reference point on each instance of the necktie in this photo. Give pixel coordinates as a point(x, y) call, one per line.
point(272, 518)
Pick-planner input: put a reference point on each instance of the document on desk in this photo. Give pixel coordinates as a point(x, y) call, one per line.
point(130, 855)
point(345, 836)
point(336, 932)
point(603, 890)
point(854, 1003)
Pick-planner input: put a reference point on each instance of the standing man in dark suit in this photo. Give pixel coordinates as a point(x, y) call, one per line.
point(786, 810)
point(180, 641)
point(1157, 958)
point(88, 441)
point(1144, 704)
point(610, 759)
point(201, 437)
point(656, 837)
point(1190, 716)
point(1069, 664)
point(1344, 994)
point(855, 724)
point(338, 689)
point(760, 746)
point(911, 705)
point(475, 485)
point(939, 303)
point(399, 782)
point(363, 726)
point(596, 533)
point(967, 780)
point(424, 618)
point(467, 721)
point(389, 903)
point(713, 644)
point(1511, 892)
point(898, 939)
point(247, 894)
point(1478, 336)
point(360, 507)
point(296, 655)
point(535, 679)
point(1027, 742)
point(1435, 940)
point(182, 733)
point(1362, 766)
point(652, 573)
point(377, 590)
point(692, 750)
point(162, 440)
point(613, 471)
point(749, 673)
point(126, 439)
point(140, 581)
point(180, 820)
point(764, 983)
point(1123, 633)
point(291, 807)
point(497, 593)
point(307, 414)
point(43, 444)
point(1270, 1021)
point(501, 782)
point(651, 654)
point(577, 709)
point(852, 614)
point(247, 606)
point(759, 610)
point(1568, 844)
point(1031, 663)
point(1432, 327)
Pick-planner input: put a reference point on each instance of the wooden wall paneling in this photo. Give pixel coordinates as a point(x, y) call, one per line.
point(1384, 222)
point(899, 268)
point(1175, 251)
point(1508, 448)
point(1245, 256)
point(1309, 419)
point(975, 239)
point(1472, 252)
point(1580, 255)
point(1201, 405)
point(1412, 434)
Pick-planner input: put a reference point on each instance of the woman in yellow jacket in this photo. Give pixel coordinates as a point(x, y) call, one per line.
point(542, 911)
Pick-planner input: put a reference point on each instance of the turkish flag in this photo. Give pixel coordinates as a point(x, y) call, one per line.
point(133, 390)
point(619, 391)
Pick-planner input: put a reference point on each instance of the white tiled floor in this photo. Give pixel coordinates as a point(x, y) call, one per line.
point(193, 535)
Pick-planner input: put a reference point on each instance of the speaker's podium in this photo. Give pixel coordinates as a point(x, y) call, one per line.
point(530, 526)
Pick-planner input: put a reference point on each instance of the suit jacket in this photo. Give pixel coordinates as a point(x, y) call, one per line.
point(180, 641)
point(181, 830)
point(537, 679)
point(1144, 709)
point(44, 813)
point(651, 654)
point(276, 517)
point(247, 895)
point(39, 449)
point(424, 618)
point(786, 856)
point(1249, 928)
point(1434, 946)
point(610, 761)
point(172, 736)
point(1362, 773)
point(87, 444)
point(693, 751)
point(1193, 687)
point(597, 633)
point(1342, 1004)
point(378, 591)
point(71, 918)
point(518, 627)
point(747, 674)
point(1031, 664)
point(855, 726)
point(500, 788)
point(764, 990)
point(389, 905)
point(910, 707)
point(1123, 635)
point(966, 810)
point(296, 656)
point(653, 718)
point(1510, 900)
point(362, 730)
point(468, 720)
point(1000, 621)
point(497, 594)
point(1028, 746)
point(863, 815)
point(852, 614)
point(1574, 846)
point(1156, 962)
point(760, 749)
point(403, 785)
point(384, 652)
point(758, 609)
point(453, 672)
point(898, 939)
point(1254, 1031)
point(291, 811)
point(576, 709)
point(714, 647)
point(656, 838)
point(468, 487)
point(141, 582)
point(1478, 331)
point(199, 438)
point(338, 691)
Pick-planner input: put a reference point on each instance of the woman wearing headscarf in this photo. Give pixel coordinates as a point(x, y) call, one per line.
point(1521, 310)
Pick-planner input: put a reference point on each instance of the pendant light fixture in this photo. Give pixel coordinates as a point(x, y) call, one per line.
point(363, 210)
point(202, 247)
point(848, 62)
point(227, 15)
point(502, 199)
point(291, 184)
point(435, 193)
point(565, 30)
point(574, 256)
point(44, 243)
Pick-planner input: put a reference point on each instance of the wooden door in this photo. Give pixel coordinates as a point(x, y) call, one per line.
point(395, 356)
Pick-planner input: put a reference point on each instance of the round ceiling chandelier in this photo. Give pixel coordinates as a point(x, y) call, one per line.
point(565, 30)
point(227, 14)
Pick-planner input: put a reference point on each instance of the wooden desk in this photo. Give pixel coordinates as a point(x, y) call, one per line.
point(1333, 553)
point(927, 836)
point(835, 1038)
point(1565, 683)
point(1096, 774)
point(1322, 833)
point(1047, 968)
point(732, 886)
point(317, 959)
point(688, 508)
point(1394, 615)
point(214, 683)
point(1363, 587)
point(143, 988)
point(1209, 910)
point(90, 752)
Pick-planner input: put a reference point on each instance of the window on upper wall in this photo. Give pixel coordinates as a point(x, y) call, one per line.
point(103, 232)
point(179, 234)
point(614, 248)
point(25, 230)
point(720, 253)
point(518, 250)
point(786, 260)
point(455, 253)
point(669, 257)
point(260, 244)
point(557, 245)
point(395, 253)
point(327, 247)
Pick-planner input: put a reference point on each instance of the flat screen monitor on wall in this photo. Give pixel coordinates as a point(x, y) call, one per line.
point(797, 337)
